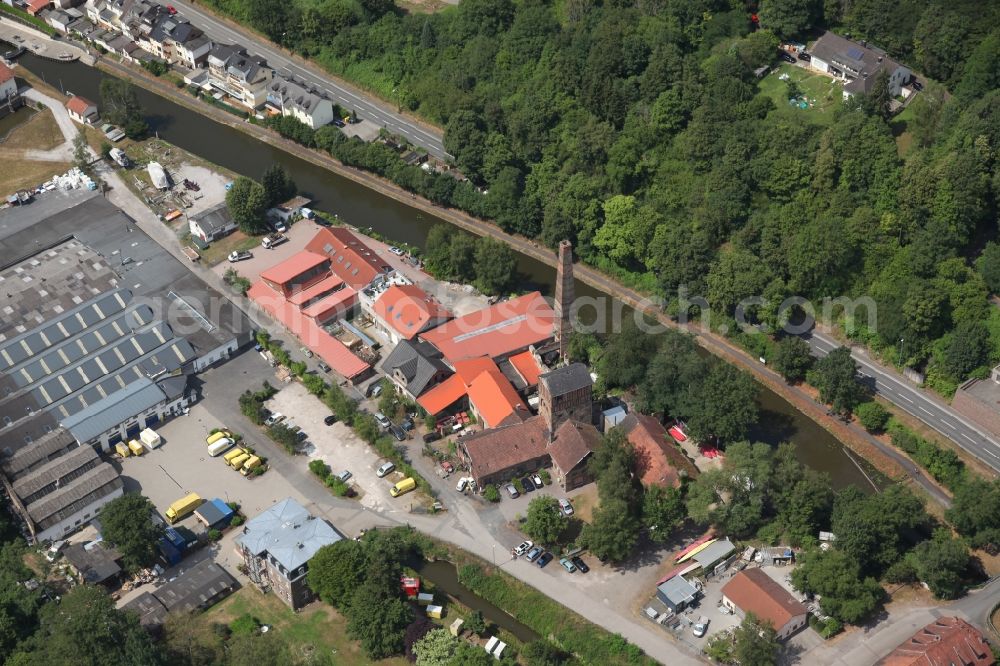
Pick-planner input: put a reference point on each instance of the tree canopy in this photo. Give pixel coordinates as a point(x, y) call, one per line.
point(247, 203)
point(127, 523)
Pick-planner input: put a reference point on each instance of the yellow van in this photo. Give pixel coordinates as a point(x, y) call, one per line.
point(239, 460)
point(136, 448)
point(183, 507)
point(213, 438)
point(404, 486)
point(232, 455)
point(252, 463)
point(123, 450)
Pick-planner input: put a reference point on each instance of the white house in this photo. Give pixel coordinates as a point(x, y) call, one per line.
point(857, 64)
point(82, 110)
point(212, 224)
point(306, 105)
point(8, 86)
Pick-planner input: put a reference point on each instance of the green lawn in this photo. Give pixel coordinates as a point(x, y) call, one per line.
point(218, 250)
point(823, 93)
point(316, 627)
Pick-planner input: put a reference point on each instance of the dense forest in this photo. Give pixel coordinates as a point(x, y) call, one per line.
point(639, 131)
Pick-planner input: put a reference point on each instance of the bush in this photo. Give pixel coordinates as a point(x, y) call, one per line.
point(336, 486)
point(518, 486)
point(319, 468)
point(943, 464)
point(872, 416)
point(214, 534)
point(245, 624)
point(491, 494)
point(546, 477)
point(236, 521)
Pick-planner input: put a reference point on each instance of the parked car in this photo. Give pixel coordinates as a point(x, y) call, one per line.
point(273, 240)
point(462, 484)
point(432, 436)
point(534, 553)
point(544, 559)
point(53, 552)
point(700, 627)
point(565, 507)
point(804, 56)
point(375, 390)
point(345, 475)
point(917, 85)
point(397, 432)
point(305, 350)
point(323, 366)
point(301, 435)
point(537, 480)
point(338, 122)
point(567, 564)
point(396, 251)
point(788, 57)
point(274, 419)
point(511, 490)
point(382, 420)
point(279, 226)
point(408, 424)
point(580, 564)
point(240, 256)
point(527, 485)
point(523, 548)
point(171, 10)
point(330, 420)
point(384, 468)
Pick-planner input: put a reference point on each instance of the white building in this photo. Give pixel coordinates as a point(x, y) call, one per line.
point(8, 86)
point(308, 106)
point(857, 64)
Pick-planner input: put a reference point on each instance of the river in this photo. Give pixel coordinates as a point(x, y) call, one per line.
point(362, 207)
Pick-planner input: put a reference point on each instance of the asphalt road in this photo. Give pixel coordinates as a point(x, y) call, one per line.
point(366, 106)
point(928, 408)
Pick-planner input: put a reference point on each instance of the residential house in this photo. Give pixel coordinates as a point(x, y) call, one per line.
point(174, 40)
point(858, 64)
point(404, 310)
point(82, 110)
point(242, 77)
point(659, 462)
point(58, 19)
point(276, 547)
point(351, 259)
point(753, 591)
point(287, 210)
point(414, 367)
point(8, 86)
point(307, 105)
point(212, 224)
point(947, 641)
point(35, 7)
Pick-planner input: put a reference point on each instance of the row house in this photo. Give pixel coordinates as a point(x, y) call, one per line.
point(307, 105)
point(239, 75)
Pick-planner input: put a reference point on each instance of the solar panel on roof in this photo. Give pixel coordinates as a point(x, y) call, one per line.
point(855, 53)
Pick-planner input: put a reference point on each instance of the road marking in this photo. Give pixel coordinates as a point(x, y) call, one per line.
point(905, 398)
point(925, 410)
point(949, 424)
point(968, 438)
point(992, 454)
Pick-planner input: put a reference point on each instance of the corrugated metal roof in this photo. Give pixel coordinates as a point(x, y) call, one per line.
point(113, 410)
point(98, 482)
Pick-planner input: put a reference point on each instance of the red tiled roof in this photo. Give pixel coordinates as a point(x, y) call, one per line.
point(326, 284)
point(658, 462)
point(754, 591)
point(327, 347)
point(497, 449)
point(496, 331)
point(6, 73)
point(79, 105)
point(494, 398)
point(470, 368)
point(35, 6)
point(408, 309)
point(526, 366)
point(947, 641)
point(572, 442)
point(352, 260)
point(342, 299)
point(438, 398)
point(295, 265)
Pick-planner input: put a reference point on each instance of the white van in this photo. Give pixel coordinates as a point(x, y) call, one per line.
point(218, 447)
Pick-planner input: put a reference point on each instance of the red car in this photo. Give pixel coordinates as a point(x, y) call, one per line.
point(170, 8)
point(447, 466)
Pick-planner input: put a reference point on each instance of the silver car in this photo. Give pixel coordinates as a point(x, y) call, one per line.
point(384, 468)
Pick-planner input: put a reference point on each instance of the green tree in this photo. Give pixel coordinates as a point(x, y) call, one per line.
point(336, 571)
point(545, 522)
point(789, 18)
point(836, 378)
point(463, 257)
point(736, 276)
point(662, 511)
point(726, 405)
point(120, 106)
point(475, 623)
point(436, 648)
point(278, 185)
point(755, 642)
point(872, 416)
point(968, 349)
point(543, 653)
point(81, 152)
point(975, 513)
point(378, 619)
point(247, 203)
point(872, 528)
point(496, 266)
point(127, 523)
point(836, 577)
point(189, 639)
point(437, 251)
point(793, 358)
point(613, 532)
point(86, 629)
point(942, 563)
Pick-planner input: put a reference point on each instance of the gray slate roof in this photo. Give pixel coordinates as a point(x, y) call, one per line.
point(287, 532)
point(678, 589)
point(862, 63)
point(96, 564)
point(194, 588)
point(215, 218)
point(417, 362)
point(567, 378)
point(113, 410)
point(717, 551)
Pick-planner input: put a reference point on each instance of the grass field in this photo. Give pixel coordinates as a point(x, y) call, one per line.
point(316, 627)
point(823, 93)
point(218, 250)
point(40, 132)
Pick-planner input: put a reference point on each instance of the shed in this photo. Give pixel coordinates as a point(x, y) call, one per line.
point(94, 562)
point(714, 554)
point(212, 224)
point(435, 611)
point(215, 514)
point(613, 416)
point(456, 627)
point(425, 598)
point(775, 555)
point(677, 593)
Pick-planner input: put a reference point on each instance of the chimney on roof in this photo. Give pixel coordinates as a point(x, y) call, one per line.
point(564, 296)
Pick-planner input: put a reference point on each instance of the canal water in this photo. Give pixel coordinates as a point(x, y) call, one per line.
point(363, 207)
point(445, 578)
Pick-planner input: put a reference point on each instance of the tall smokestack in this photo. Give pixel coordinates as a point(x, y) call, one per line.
point(564, 296)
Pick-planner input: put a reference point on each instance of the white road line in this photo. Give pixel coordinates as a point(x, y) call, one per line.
point(905, 398)
point(925, 410)
point(968, 438)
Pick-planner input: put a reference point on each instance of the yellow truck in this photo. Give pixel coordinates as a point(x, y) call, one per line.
point(136, 448)
point(404, 486)
point(214, 437)
point(239, 460)
point(252, 463)
point(123, 450)
point(232, 455)
point(183, 507)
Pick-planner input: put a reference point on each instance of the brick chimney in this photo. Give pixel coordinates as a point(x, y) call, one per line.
point(564, 296)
